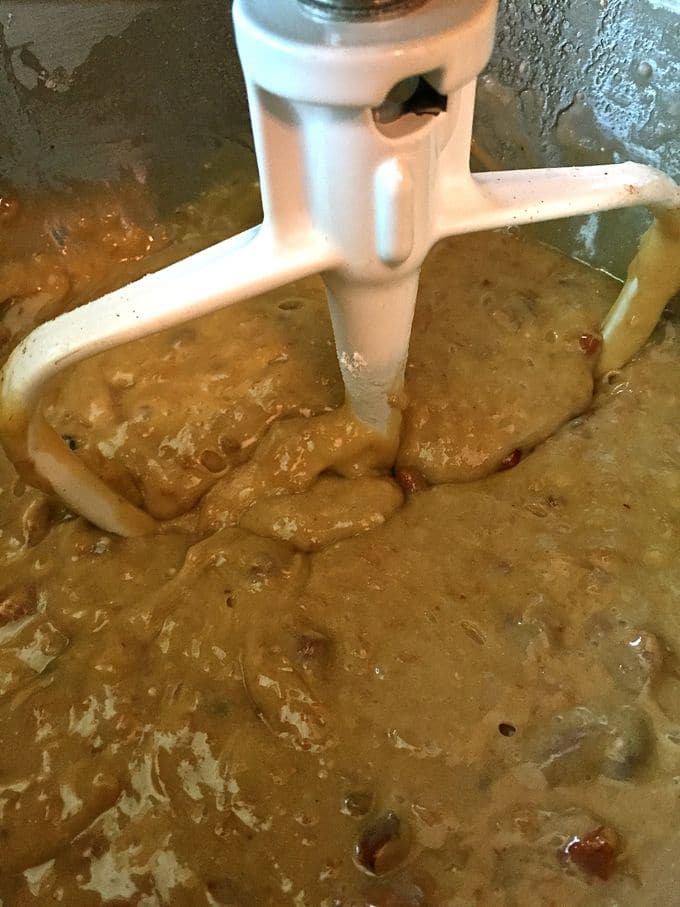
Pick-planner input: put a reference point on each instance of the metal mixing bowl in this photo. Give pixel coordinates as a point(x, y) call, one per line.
point(91, 88)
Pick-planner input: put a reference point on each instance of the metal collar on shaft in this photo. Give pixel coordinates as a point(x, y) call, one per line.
point(359, 10)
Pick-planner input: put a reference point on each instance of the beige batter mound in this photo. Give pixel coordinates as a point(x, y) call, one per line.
point(323, 684)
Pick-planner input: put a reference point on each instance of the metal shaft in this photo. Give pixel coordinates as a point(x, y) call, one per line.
point(353, 10)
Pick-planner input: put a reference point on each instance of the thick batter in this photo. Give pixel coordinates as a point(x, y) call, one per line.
point(323, 683)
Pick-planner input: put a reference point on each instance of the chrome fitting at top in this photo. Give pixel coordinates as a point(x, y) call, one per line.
point(359, 10)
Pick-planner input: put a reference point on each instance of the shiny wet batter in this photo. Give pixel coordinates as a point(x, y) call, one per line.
point(323, 682)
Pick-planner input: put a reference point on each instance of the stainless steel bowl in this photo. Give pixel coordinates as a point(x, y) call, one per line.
point(90, 90)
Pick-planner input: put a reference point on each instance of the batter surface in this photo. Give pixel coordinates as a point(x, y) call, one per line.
point(325, 683)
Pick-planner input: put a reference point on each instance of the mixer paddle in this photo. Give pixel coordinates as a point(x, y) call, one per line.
point(362, 133)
